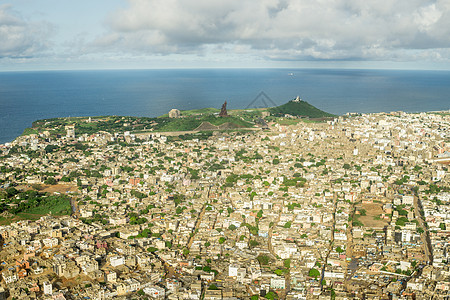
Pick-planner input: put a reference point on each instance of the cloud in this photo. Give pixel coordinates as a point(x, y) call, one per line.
point(19, 38)
point(283, 29)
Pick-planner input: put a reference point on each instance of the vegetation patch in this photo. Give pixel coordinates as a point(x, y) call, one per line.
point(33, 204)
point(299, 109)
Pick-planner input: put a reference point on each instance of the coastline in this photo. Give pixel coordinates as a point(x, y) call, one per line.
point(177, 133)
point(39, 95)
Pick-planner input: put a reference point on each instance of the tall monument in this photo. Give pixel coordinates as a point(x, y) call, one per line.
point(223, 111)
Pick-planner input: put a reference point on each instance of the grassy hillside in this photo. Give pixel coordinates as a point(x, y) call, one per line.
point(202, 111)
point(190, 120)
point(194, 112)
point(33, 204)
point(301, 109)
point(191, 123)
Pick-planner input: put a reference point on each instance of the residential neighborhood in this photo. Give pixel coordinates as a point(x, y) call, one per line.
point(356, 207)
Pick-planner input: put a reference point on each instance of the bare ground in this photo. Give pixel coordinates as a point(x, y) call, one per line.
point(372, 210)
point(60, 188)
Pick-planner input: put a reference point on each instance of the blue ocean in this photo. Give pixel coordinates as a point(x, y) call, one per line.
point(28, 96)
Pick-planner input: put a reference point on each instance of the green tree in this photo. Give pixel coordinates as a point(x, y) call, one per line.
point(253, 243)
point(339, 249)
point(66, 179)
point(271, 295)
point(50, 180)
point(11, 191)
point(51, 148)
point(279, 272)
point(287, 263)
point(314, 273)
point(263, 259)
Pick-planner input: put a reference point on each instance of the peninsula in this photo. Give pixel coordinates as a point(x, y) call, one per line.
point(197, 120)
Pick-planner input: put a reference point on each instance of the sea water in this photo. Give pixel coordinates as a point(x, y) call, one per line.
point(29, 96)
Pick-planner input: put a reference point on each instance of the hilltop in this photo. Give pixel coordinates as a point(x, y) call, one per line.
point(299, 108)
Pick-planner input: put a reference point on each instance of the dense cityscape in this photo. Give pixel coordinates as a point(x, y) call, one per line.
point(356, 207)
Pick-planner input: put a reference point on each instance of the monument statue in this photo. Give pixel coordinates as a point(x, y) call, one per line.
point(223, 111)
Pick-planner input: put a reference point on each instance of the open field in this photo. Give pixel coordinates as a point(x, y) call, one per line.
point(373, 210)
point(59, 188)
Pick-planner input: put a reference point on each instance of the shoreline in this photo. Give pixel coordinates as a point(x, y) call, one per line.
point(176, 133)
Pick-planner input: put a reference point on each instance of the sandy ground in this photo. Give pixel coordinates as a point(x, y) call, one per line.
point(47, 188)
point(372, 210)
point(60, 188)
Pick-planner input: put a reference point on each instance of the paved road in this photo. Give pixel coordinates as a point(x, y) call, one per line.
point(287, 276)
point(425, 235)
point(352, 267)
point(270, 247)
point(75, 209)
point(330, 247)
point(198, 221)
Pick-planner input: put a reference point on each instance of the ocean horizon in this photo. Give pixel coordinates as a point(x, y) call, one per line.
point(26, 96)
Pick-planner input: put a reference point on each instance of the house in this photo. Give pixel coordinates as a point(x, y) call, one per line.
point(213, 295)
point(47, 288)
point(155, 291)
point(117, 261)
point(110, 276)
point(10, 276)
point(278, 283)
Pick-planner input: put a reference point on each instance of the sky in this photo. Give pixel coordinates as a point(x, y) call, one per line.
point(149, 34)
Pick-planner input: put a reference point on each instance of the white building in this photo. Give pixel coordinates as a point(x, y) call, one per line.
point(47, 287)
point(154, 291)
point(232, 270)
point(117, 261)
point(278, 283)
point(408, 199)
point(406, 236)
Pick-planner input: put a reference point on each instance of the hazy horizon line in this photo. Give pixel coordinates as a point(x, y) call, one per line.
point(225, 68)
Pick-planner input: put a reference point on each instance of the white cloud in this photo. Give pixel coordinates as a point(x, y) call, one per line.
point(232, 31)
point(19, 38)
point(282, 29)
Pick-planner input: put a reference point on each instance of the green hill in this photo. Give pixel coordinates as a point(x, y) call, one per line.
point(299, 108)
point(194, 112)
point(190, 120)
point(193, 122)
